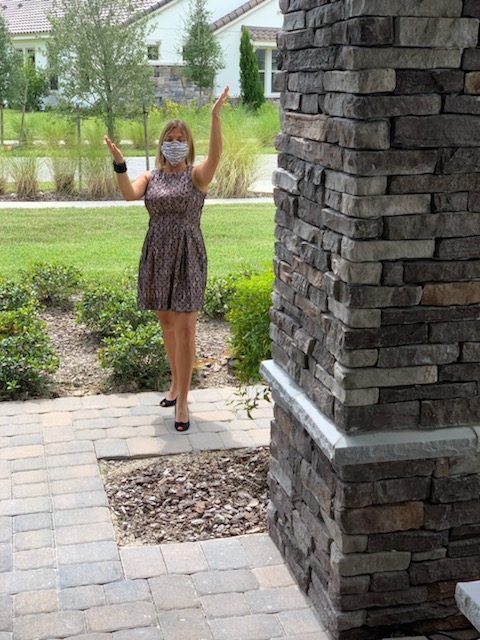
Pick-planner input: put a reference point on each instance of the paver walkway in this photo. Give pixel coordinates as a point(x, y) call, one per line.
point(62, 574)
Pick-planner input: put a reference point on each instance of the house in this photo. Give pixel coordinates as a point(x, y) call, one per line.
point(28, 23)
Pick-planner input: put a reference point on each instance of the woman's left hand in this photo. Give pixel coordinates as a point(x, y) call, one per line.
point(217, 107)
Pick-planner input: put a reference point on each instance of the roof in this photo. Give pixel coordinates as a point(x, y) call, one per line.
point(244, 8)
point(30, 16)
point(263, 33)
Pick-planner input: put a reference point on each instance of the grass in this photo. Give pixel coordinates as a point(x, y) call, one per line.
point(102, 242)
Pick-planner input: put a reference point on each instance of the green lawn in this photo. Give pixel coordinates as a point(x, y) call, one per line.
point(102, 242)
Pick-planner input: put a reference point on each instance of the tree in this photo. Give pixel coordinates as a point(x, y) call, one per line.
point(201, 52)
point(251, 89)
point(97, 49)
point(35, 85)
point(10, 71)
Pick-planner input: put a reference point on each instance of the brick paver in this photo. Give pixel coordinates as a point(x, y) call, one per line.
point(62, 574)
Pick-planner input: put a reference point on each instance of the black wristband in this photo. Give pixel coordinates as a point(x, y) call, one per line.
point(120, 168)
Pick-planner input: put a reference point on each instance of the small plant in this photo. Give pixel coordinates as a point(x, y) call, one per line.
point(52, 283)
point(267, 123)
point(250, 325)
point(27, 358)
point(137, 355)
point(219, 292)
point(24, 172)
point(14, 295)
point(135, 132)
point(3, 174)
point(104, 307)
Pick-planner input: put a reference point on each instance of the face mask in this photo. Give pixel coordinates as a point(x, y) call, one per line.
point(175, 152)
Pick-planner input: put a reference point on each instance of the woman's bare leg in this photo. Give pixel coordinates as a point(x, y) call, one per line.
point(185, 326)
point(167, 321)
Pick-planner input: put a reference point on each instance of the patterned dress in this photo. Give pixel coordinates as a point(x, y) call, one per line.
point(173, 265)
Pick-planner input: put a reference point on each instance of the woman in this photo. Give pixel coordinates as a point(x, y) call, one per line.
point(173, 264)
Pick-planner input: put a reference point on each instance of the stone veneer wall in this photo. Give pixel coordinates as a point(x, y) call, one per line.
point(375, 309)
point(378, 210)
point(170, 85)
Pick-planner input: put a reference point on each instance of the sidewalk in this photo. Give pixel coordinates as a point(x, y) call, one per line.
point(62, 574)
point(65, 204)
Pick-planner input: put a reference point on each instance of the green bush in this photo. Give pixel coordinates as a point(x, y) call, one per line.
point(26, 356)
point(137, 355)
point(14, 295)
point(104, 307)
point(250, 324)
point(52, 283)
point(219, 292)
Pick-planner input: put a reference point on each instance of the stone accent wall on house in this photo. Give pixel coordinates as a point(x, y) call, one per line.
point(375, 314)
point(378, 210)
point(170, 85)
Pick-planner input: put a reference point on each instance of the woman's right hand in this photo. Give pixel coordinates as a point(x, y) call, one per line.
point(116, 153)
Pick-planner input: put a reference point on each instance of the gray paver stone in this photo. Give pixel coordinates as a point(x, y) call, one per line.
point(80, 500)
point(68, 448)
point(34, 559)
point(117, 617)
point(21, 506)
point(102, 551)
point(300, 621)
point(28, 464)
point(79, 598)
point(226, 553)
point(32, 522)
point(36, 539)
point(127, 591)
point(45, 626)
point(5, 529)
point(254, 627)
point(174, 592)
point(111, 448)
point(77, 575)
point(43, 601)
point(261, 550)
point(89, 515)
point(29, 477)
point(30, 490)
point(223, 605)
point(184, 557)
point(186, 624)
point(6, 557)
point(146, 633)
point(142, 562)
point(84, 533)
point(278, 599)
point(6, 613)
point(277, 575)
point(13, 582)
point(212, 582)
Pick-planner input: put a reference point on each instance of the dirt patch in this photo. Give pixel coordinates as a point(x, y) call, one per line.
point(80, 372)
point(188, 497)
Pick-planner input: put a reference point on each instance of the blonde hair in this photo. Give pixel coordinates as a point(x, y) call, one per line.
point(173, 124)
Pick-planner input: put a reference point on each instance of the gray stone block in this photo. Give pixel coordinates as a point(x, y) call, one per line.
point(363, 81)
point(436, 32)
point(404, 57)
point(439, 8)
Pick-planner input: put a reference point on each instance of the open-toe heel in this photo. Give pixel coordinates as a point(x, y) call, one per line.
point(181, 426)
point(168, 403)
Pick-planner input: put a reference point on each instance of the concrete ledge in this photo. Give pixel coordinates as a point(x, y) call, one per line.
point(467, 595)
point(367, 447)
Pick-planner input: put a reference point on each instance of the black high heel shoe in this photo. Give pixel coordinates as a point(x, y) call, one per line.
point(181, 426)
point(168, 403)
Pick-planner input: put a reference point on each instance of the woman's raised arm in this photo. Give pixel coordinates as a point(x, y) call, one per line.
point(203, 173)
point(130, 190)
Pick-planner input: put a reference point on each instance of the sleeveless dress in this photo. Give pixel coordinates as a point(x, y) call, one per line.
point(172, 273)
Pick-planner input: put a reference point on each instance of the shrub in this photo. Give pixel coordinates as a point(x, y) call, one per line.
point(14, 295)
point(52, 283)
point(250, 83)
point(135, 132)
point(250, 324)
point(219, 292)
point(104, 307)
point(24, 172)
point(26, 356)
point(137, 354)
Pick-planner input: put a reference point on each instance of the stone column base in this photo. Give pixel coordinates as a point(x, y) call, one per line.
point(379, 527)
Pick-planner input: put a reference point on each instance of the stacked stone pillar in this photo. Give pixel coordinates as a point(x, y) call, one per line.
point(375, 473)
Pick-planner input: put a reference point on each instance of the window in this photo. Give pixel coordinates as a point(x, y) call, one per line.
point(260, 53)
point(54, 83)
point(27, 55)
point(153, 51)
point(267, 67)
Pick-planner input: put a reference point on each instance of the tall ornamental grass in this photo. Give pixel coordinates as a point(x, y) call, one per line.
point(24, 172)
point(237, 165)
point(266, 123)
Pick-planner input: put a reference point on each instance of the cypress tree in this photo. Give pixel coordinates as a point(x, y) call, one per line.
point(250, 84)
